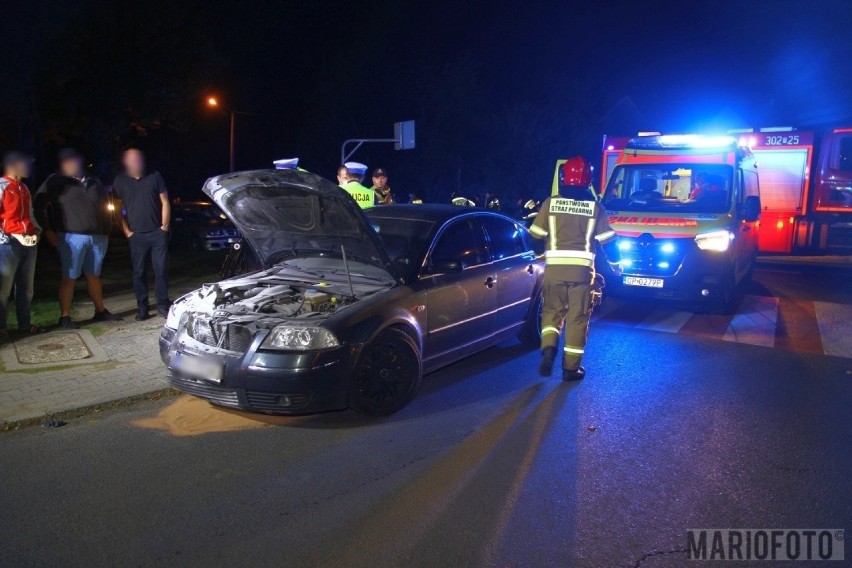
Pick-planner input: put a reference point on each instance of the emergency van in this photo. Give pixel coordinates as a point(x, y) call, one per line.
point(805, 186)
point(686, 211)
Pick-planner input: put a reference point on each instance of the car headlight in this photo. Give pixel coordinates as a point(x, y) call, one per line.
point(718, 241)
point(291, 338)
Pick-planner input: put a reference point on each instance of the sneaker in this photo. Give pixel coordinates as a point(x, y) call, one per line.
point(573, 374)
point(548, 356)
point(142, 314)
point(66, 323)
point(106, 315)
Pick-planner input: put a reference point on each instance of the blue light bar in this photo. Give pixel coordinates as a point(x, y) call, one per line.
point(682, 141)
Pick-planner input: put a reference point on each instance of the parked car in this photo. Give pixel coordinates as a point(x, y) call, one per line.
point(349, 309)
point(201, 226)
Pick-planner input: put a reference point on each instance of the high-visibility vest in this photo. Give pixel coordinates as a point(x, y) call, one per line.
point(364, 197)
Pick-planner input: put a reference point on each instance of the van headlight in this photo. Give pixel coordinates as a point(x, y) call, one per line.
point(717, 241)
point(290, 338)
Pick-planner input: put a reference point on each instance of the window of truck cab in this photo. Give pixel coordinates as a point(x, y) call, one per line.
point(672, 188)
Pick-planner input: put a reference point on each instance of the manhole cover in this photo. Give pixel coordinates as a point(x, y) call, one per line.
point(56, 347)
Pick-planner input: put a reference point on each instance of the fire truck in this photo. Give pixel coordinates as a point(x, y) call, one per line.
point(805, 186)
point(686, 210)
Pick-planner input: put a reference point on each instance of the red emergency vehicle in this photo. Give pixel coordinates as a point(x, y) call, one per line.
point(805, 186)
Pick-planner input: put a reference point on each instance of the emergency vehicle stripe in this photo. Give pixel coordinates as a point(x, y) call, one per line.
point(605, 236)
point(570, 254)
point(574, 350)
point(536, 230)
point(549, 329)
point(590, 229)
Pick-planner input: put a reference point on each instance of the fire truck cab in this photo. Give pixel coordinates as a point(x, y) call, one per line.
point(686, 210)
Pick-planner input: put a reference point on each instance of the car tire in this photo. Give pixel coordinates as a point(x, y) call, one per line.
point(531, 333)
point(387, 375)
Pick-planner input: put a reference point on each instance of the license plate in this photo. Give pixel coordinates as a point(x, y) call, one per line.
point(198, 368)
point(647, 282)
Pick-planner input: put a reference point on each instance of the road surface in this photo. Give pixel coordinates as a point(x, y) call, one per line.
point(683, 421)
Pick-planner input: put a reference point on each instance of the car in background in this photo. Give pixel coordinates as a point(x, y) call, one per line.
point(350, 308)
point(201, 226)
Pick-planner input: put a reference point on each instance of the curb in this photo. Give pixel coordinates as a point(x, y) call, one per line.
point(86, 410)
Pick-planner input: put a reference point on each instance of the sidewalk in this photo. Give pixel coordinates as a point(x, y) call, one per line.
point(826, 261)
point(106, 362)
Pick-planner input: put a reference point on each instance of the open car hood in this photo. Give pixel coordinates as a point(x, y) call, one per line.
point(291, 213)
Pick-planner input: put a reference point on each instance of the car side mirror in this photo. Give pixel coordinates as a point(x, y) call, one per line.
point(445, 267)
point(750, 209)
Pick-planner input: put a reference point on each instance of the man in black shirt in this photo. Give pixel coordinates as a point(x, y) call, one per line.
point(147, 214)
point(71, 208)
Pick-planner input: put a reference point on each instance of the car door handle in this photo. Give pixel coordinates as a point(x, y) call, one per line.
point(531, 269)
point(490, 282)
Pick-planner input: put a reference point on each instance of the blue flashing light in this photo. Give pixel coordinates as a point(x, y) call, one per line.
point(624, 246)
point(663, 264)
point(626, 263)
point(667, 248)
point(683, 141)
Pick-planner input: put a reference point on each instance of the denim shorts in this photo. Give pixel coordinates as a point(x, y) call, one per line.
point(81, 254)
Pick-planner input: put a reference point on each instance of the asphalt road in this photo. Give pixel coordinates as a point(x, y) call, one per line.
point(490, 466)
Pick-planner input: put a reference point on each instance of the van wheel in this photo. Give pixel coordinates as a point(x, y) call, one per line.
point(531, 333)
point(388, 374)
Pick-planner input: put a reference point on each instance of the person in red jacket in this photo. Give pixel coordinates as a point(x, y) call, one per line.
point(19, 234)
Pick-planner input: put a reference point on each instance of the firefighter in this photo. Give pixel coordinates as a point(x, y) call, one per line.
point(571, 222)
point(349, 176)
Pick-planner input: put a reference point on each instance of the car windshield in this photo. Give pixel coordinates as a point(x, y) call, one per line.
point(406, 240)
point(686, 187)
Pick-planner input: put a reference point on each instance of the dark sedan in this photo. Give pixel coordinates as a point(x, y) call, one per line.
point(201, 226)
point(350, 309)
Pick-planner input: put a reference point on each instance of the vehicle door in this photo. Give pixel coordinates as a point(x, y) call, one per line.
point(746, 239)
point(514, 264)
point(461, 291)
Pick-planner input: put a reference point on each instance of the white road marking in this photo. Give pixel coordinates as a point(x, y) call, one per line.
point(665, 320)
point(835, 327)
point(755, 322)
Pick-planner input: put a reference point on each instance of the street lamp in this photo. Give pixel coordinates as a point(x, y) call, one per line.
point(213, 102)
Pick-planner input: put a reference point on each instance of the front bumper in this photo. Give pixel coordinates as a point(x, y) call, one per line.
point(265, 381)
point(702, 277)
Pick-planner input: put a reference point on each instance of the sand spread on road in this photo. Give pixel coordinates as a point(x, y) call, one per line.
point(190, 416)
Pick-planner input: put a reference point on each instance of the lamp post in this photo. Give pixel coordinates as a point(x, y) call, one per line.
point(213, 102)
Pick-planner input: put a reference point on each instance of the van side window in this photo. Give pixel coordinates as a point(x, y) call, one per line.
point(844, 154)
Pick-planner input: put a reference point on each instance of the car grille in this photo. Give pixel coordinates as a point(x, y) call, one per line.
point(215, 394)
point(233, 337)
point(648, 256)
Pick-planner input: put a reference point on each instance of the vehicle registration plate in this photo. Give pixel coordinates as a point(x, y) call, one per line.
point(199, 368)
point(647, 282)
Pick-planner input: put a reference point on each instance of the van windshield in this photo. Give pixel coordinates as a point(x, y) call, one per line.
point(702, 188)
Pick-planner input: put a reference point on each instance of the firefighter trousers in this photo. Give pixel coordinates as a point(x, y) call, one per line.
point(568, 303)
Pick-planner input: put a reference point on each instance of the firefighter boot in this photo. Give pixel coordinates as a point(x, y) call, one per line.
point(573, 375)
point(548, 356)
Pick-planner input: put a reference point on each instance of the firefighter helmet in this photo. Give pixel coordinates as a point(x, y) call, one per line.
point(576, 172)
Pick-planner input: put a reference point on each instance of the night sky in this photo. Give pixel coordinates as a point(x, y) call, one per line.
point(499, 89)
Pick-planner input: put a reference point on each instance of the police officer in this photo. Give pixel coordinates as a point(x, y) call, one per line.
point(349, 176)
point(571, 222)
point(384, 196)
